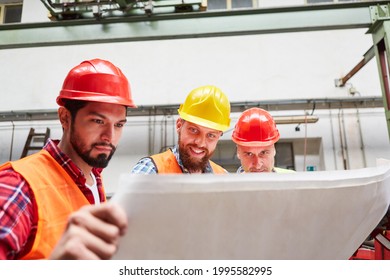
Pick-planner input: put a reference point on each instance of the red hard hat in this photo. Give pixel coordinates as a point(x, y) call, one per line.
point(96, 80)
point(255, 127)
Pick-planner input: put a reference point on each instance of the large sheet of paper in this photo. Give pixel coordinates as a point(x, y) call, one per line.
point(304, 215)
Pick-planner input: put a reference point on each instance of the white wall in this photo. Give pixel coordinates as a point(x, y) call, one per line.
point(247, 68)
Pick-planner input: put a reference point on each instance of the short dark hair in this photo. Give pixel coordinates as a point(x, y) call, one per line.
point(73, 106)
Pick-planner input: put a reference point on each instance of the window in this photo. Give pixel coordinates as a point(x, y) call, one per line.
point(245, 4)
point(13, 13)
point(236, 4)
point(230, 4)
point(319, 1)
point(10, 11)
point(331, 1)
point(284, 157)
point(216, 5)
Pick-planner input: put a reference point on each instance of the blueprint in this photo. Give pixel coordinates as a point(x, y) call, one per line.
point(321, 215)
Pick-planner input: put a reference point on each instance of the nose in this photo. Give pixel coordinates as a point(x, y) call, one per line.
point(258, 162)
point(200, 140)
point(108, 133)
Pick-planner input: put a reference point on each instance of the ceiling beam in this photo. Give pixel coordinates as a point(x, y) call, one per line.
point(187, 25)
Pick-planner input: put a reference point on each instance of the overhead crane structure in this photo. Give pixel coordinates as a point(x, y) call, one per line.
point(65, 10)
point(188, 25)
point(373, 15)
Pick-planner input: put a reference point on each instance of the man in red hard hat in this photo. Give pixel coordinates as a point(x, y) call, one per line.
point(255, 134)
point(53, 202)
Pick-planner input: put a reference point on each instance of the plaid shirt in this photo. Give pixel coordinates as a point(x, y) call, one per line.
point(18, 208)
point(147, 166)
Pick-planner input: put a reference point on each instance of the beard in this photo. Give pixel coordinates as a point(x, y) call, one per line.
point(191, 163)
point(83, 151)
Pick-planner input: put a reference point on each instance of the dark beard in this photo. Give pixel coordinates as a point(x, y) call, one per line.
point(101, 161)
point(190, 164)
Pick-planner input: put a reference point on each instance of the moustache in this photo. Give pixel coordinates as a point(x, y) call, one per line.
point(198, 148)
point(105, 144)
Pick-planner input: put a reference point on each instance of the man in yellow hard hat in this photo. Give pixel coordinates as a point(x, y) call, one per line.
point(255, 135)
point(203, 117)
point(52, 203)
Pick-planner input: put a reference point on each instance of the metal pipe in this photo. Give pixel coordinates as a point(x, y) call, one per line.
point(333, 140)
point(370, 54)
point(342, 140)
point(361, 138)
point(269, 105)
point(305, 145)
point(12, 140)
point(295, 119)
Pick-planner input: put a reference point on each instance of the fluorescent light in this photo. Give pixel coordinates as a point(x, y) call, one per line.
point(295, 119)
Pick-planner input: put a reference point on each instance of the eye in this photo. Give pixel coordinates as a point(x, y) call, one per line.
point(119, 125)
point(98, 121)
point(193, 130)
point(264, 153)
point(211, 136)
point(249, 154)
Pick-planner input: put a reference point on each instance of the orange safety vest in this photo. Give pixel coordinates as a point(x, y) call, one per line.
point(283, 170)
point(56, 195)
point(166, 163)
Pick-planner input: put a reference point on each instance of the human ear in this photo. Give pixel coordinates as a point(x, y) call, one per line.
point(237, 153)
point(179, 124)
point(64, 116)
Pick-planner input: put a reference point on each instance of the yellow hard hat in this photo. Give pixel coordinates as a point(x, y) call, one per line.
point(207, 106)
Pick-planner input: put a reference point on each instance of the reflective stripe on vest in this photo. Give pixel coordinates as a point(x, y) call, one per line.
point(283, 170)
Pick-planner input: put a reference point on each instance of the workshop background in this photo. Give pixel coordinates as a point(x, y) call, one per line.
point(321, 83)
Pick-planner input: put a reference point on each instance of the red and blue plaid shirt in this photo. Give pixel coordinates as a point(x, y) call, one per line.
point(18, 209)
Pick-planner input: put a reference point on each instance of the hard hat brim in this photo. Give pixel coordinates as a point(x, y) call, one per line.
point(255, 143)
point(94, 97)
point(203, 122)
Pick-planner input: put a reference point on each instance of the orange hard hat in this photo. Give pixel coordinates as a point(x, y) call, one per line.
point(255, 127)
point(96, 80)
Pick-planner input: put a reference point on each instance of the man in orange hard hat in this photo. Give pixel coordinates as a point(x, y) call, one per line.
point(255, 134)
point(53, 202)
point(203, 117)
